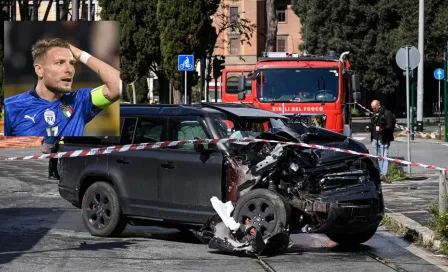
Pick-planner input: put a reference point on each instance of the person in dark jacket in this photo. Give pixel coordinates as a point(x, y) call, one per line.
point(382, 125)
point(50, 145)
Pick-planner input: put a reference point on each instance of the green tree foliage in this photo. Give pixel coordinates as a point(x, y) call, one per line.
point(372, 31)
point(139, 36)
point(139, 39)
point(185, 28)
point(141, 91)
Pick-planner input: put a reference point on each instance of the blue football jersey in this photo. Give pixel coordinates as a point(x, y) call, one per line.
point(29, 115)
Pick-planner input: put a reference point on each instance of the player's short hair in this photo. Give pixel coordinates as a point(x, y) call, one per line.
point(41, 47)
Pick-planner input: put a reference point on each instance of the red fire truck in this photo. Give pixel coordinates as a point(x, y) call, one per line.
point(316, 89)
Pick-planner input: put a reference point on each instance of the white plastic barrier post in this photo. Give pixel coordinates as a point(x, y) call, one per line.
point(443, 192)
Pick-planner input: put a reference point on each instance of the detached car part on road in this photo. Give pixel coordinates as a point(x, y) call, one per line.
point(274, 188)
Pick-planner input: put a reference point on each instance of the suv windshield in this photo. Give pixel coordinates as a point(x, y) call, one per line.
point(297, 85)
point(234, 127)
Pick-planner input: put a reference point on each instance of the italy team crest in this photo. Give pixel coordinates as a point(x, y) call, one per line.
point(67, 110)
point(50, 117)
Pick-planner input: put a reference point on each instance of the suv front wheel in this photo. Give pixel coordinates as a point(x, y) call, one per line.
point(267, 211)
point(101, 211)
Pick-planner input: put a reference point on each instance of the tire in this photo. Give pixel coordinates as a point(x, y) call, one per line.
point(100, 202)
point(255, 206)
point(350, 239)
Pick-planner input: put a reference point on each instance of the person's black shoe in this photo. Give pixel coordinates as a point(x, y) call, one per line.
point(53, 178)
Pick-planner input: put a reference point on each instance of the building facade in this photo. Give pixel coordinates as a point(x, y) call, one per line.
point(244, 55)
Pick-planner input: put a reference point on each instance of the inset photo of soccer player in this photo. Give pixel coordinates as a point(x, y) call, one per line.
point(61, 78)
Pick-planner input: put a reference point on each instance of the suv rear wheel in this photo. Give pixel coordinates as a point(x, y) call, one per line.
point(266, 210)
point(101, 211)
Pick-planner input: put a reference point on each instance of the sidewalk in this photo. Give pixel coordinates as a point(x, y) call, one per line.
point(407, 208)
point(418, 140)
point(431, 130)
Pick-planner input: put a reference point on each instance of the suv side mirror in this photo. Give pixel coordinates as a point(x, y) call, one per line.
point(205, 148)
point(198, 148)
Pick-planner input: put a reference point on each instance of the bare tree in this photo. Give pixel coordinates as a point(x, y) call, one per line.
point(238, 25)
point(272, 23)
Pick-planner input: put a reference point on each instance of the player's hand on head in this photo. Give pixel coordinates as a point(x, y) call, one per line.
point(75, 51)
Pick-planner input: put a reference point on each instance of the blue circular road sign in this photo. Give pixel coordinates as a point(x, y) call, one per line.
point(439, 74)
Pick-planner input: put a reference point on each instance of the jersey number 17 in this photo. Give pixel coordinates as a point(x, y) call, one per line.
point(53, 131)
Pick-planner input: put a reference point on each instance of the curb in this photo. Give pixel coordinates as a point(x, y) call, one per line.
point(411, 230)
point(416, 140)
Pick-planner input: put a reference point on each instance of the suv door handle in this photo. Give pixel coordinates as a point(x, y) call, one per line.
point(168, 165)
point(123, 161)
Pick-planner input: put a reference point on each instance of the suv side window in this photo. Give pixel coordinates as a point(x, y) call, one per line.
point(150, 130)
point(186, 128)
point(127, 130)
point(90, 140)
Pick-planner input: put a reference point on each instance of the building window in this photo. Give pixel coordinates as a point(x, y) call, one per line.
point(281, 14)
point(234, 46)
point(233, 15)
point(282, 43)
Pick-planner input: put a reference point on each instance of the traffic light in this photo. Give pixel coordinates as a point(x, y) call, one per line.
point(218, 65)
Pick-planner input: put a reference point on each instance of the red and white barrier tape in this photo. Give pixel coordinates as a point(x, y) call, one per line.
point(366, 109)
point(398, 126)
point(124, 148)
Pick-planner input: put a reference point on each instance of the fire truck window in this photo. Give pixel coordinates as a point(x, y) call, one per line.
point(298, 85)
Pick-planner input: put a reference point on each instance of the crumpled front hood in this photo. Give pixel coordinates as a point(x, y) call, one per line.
point(348, 143)
point(325, 137)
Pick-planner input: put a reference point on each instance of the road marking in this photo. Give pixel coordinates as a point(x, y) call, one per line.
point(359, 138)
point(445, 144)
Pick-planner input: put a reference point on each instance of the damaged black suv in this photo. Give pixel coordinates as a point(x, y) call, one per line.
point(274, 187)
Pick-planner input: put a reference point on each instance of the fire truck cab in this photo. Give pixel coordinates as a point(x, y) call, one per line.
point(317, 90)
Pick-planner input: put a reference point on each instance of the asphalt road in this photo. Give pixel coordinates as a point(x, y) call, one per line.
point(39, 231)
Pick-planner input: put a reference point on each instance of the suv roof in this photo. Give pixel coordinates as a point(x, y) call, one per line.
point(202, 109)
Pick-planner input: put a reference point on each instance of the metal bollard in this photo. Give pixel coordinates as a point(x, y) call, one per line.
point(443, 192)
